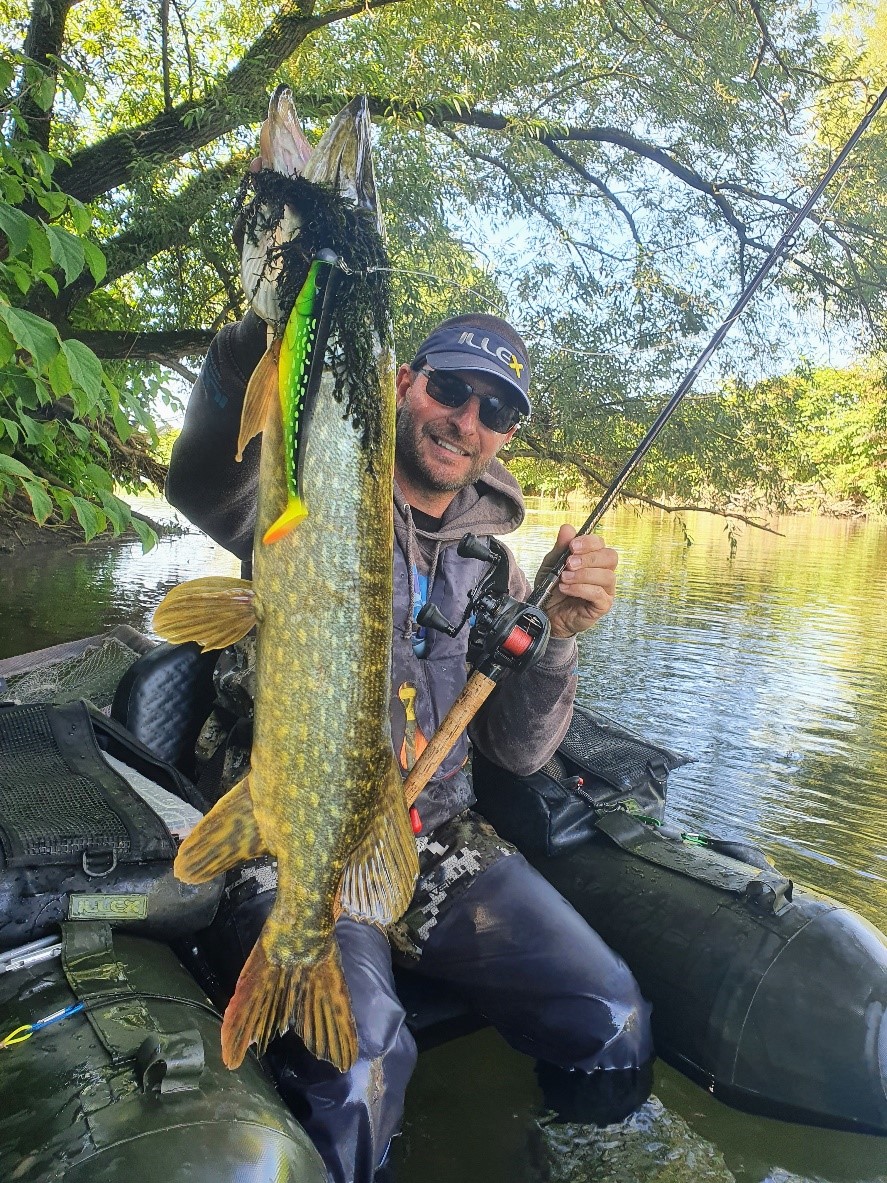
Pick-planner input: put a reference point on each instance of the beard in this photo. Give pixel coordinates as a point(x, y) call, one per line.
point(409, 439)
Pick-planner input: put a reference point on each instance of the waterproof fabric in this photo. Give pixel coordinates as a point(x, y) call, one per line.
point(519, 954)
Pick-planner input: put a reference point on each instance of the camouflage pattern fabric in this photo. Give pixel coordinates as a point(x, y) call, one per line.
point(234, 679)
point(450, 860)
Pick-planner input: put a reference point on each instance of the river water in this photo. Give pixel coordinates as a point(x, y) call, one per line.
point(769, 668)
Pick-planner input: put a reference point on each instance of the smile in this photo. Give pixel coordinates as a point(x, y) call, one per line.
point(448, 447)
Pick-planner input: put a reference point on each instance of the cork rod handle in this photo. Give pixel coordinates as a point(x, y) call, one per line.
point(477, 690)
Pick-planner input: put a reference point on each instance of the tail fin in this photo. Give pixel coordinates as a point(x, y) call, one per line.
point(313, 999)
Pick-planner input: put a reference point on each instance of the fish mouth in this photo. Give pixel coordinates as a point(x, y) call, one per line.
point(343, 156)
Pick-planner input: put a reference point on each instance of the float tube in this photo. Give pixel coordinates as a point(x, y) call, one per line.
point(770, 995)
point(131, 1086)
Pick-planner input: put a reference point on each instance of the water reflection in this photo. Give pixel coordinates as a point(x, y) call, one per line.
point(770, 669)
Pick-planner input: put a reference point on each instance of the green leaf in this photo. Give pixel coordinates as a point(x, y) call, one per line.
point(12, 430)
point(117, 510)
point(35, 432)
point(91, 519)
point(16, 225)
point(21, 276)
point(121, 424)
point(41, 256)
point(86, 369)
point(7, 73)
point(59, 375)
point(41, 502)
point(95, 260)
point(49, 280)
point(43, 92)
point(67, 252)
point(53, 202)
point(13, 467)
point(101, 479)
point(7, 345)
point(14, 189)
point(146, 535)
point(32, 333)
point(79, 432)
point(80, 216)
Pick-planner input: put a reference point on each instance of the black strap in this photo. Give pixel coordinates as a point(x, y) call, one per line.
point(764, 890)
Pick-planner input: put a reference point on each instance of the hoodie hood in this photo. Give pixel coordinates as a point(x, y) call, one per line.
point(494, 504)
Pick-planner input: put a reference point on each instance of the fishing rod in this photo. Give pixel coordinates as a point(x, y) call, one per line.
point(512, 651)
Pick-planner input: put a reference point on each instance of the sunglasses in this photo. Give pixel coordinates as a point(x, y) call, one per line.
point(451, 391)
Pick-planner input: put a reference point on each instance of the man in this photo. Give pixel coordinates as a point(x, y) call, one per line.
point(482, 921)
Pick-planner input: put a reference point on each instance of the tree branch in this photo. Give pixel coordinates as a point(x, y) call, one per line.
point(577, 167)
point(161, 346)
point(537, 450)
point(241, 97)
point(43, 42)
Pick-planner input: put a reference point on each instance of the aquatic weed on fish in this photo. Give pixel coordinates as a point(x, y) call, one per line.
point(360, 315)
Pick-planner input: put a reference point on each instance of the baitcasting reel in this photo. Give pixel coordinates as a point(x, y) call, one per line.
point(506, 634)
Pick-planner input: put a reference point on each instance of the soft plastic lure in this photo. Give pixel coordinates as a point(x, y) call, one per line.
point(299, 369)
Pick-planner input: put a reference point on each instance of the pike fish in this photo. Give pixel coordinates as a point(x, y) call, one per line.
point(323, 794)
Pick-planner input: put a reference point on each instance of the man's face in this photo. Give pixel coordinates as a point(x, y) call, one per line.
point(443, 449)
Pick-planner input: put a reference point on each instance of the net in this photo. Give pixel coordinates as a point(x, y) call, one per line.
point(70, 672)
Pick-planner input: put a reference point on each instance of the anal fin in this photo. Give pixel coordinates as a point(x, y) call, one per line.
point(380, 877)
point(228, 835)
point(214, 611)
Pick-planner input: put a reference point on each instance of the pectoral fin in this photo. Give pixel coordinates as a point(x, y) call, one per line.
point(259, 397)
point(381, 875)
point(215, 611)
point(228, 835)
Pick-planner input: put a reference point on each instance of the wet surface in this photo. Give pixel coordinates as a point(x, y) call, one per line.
point(770, 669)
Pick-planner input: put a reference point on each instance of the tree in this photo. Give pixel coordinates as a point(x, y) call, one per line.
point(607, 172)
point(58, 409)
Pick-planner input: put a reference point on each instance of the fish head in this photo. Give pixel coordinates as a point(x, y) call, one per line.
point(285, 150)
point(344, 158)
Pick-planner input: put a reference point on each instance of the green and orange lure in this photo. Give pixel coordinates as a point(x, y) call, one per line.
point(300, 366)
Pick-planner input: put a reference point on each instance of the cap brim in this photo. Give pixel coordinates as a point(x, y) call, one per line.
point(451, 360)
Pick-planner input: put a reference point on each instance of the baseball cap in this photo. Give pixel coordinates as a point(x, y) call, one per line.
point(478, 341)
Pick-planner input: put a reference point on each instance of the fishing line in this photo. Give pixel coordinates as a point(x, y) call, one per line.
point(425, 275)
point(547, 586)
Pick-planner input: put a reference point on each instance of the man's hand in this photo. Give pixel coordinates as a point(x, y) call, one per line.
point(587, 583)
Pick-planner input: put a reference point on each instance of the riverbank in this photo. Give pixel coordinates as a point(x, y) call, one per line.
point(19, 531)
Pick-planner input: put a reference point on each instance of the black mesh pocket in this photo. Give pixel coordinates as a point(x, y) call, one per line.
point(59, 799)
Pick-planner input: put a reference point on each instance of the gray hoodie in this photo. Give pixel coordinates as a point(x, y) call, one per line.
point(524, 720)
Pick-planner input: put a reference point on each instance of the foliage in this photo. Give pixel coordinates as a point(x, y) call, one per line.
point(55, 396)
point(606, 172)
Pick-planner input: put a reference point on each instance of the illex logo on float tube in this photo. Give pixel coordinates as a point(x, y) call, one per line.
point(107, 907)
point(501, 353)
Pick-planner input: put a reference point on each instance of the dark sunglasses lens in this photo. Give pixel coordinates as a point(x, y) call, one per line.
point(450, 391)
point(498, 416)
